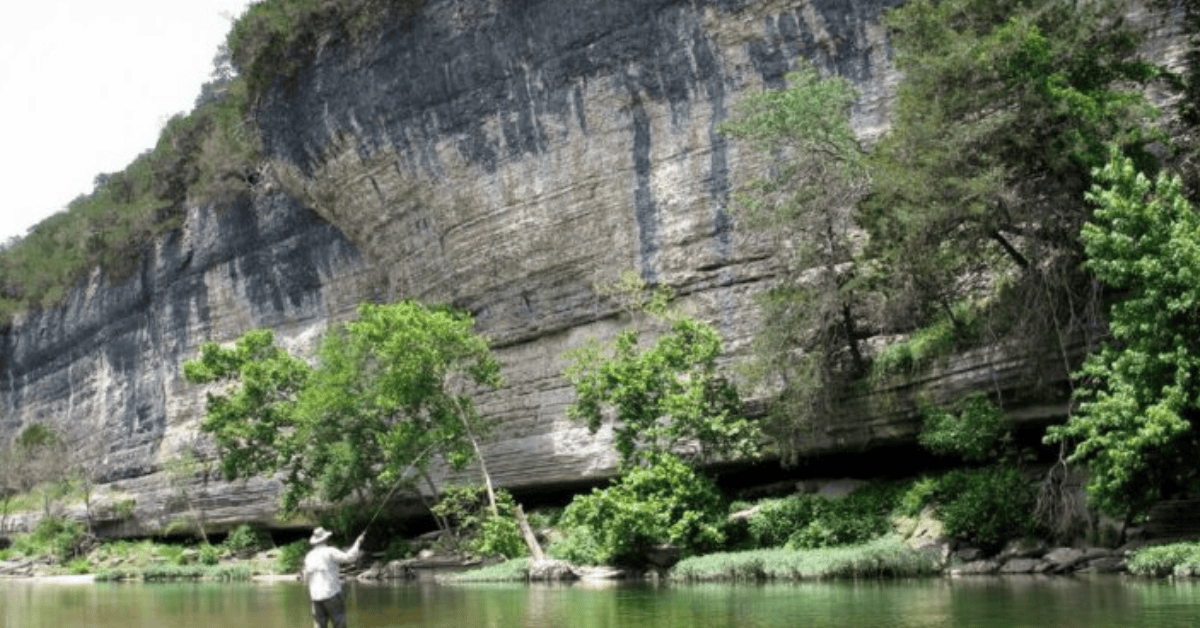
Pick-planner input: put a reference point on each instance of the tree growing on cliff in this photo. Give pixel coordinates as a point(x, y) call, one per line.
point(1135, 425)
point(666, 397)
point(810, 342)
point(384, 391)
point(977, 191)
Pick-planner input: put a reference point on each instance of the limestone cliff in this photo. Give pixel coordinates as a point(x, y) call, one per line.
point(501, 155)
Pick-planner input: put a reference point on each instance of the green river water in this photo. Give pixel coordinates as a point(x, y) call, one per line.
point(1010, 602)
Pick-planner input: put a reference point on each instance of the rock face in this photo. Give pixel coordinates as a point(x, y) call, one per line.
point(502, 156)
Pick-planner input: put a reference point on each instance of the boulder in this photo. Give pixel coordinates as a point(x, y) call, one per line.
point(551, 570)
point(977, 567)
point(1106, 564)
point(968, 554)
point(1023, 548)
point(662, 556)
point(19, 568)
point(938, 549)
point(1063, 559)
point(1020, 565)
point(601, 572)
point(375, 572)
point(398, 570)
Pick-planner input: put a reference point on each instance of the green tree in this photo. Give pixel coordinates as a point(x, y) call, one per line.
point(810, 343)
point(1138, 395)
point(254, 420)
point(385, 390)
point(668, 397)
point(977, 191)
point(671, 408)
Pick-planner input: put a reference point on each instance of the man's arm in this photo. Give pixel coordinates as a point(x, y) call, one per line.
point(351, 554)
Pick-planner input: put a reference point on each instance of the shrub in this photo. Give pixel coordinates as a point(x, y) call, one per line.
point(478, 529)
point(856, 518)
point(271, 40)
point(210, 554)
point(543, 518)
point(986, 506)
point(246, 540)
point(115, 575)
point(397, 548)
point(54, 537)
point(923, 346)
point(229, 573)
point(811, 521)
point(167, 573)
point(123, 509)
point(500, 536)
point(777, 519)
point(173, 554)
point(667, 502)
point(916, 496)
point(974, 432)
point(1165, 560)
point(291, 556)
point(581, 546)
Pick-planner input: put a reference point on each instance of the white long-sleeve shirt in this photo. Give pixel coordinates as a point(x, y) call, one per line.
point(321, 570)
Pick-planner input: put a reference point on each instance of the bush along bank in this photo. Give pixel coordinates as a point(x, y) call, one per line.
point(58, 547)
point(955, 524)
point(960, 523)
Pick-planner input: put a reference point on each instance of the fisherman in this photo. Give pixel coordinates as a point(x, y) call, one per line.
point(324, 582)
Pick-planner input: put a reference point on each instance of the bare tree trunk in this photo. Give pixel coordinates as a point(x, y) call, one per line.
point(535, 548)
point(487, 478)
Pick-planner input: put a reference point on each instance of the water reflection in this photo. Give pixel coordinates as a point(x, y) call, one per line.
point(987, 602)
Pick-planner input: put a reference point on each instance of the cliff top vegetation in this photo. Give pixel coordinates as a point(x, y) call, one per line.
point(206, 156)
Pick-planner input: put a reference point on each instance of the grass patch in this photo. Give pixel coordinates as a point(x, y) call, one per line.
point(1175, 559)
point(515, 570)
point(166, 572)
point(948, 332)
point(882, 558)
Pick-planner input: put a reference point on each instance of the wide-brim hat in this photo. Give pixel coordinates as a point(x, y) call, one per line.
point(320, 535)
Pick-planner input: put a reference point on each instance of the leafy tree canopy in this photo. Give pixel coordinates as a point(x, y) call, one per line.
point(384, 391)
point(1004, 109)
point(1134, 425)
point(806, 201)
point(670, 396)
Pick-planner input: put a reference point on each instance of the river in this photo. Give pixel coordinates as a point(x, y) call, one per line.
point(1009, 602)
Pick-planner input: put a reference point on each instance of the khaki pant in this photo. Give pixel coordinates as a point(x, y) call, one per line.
point(331, 611)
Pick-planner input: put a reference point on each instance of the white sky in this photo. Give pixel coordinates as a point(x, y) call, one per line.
point(85, 86)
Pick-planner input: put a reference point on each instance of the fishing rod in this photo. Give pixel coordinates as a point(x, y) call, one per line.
point(403, 476)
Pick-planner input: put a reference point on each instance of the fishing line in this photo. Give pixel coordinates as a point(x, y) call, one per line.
point(403, 475)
